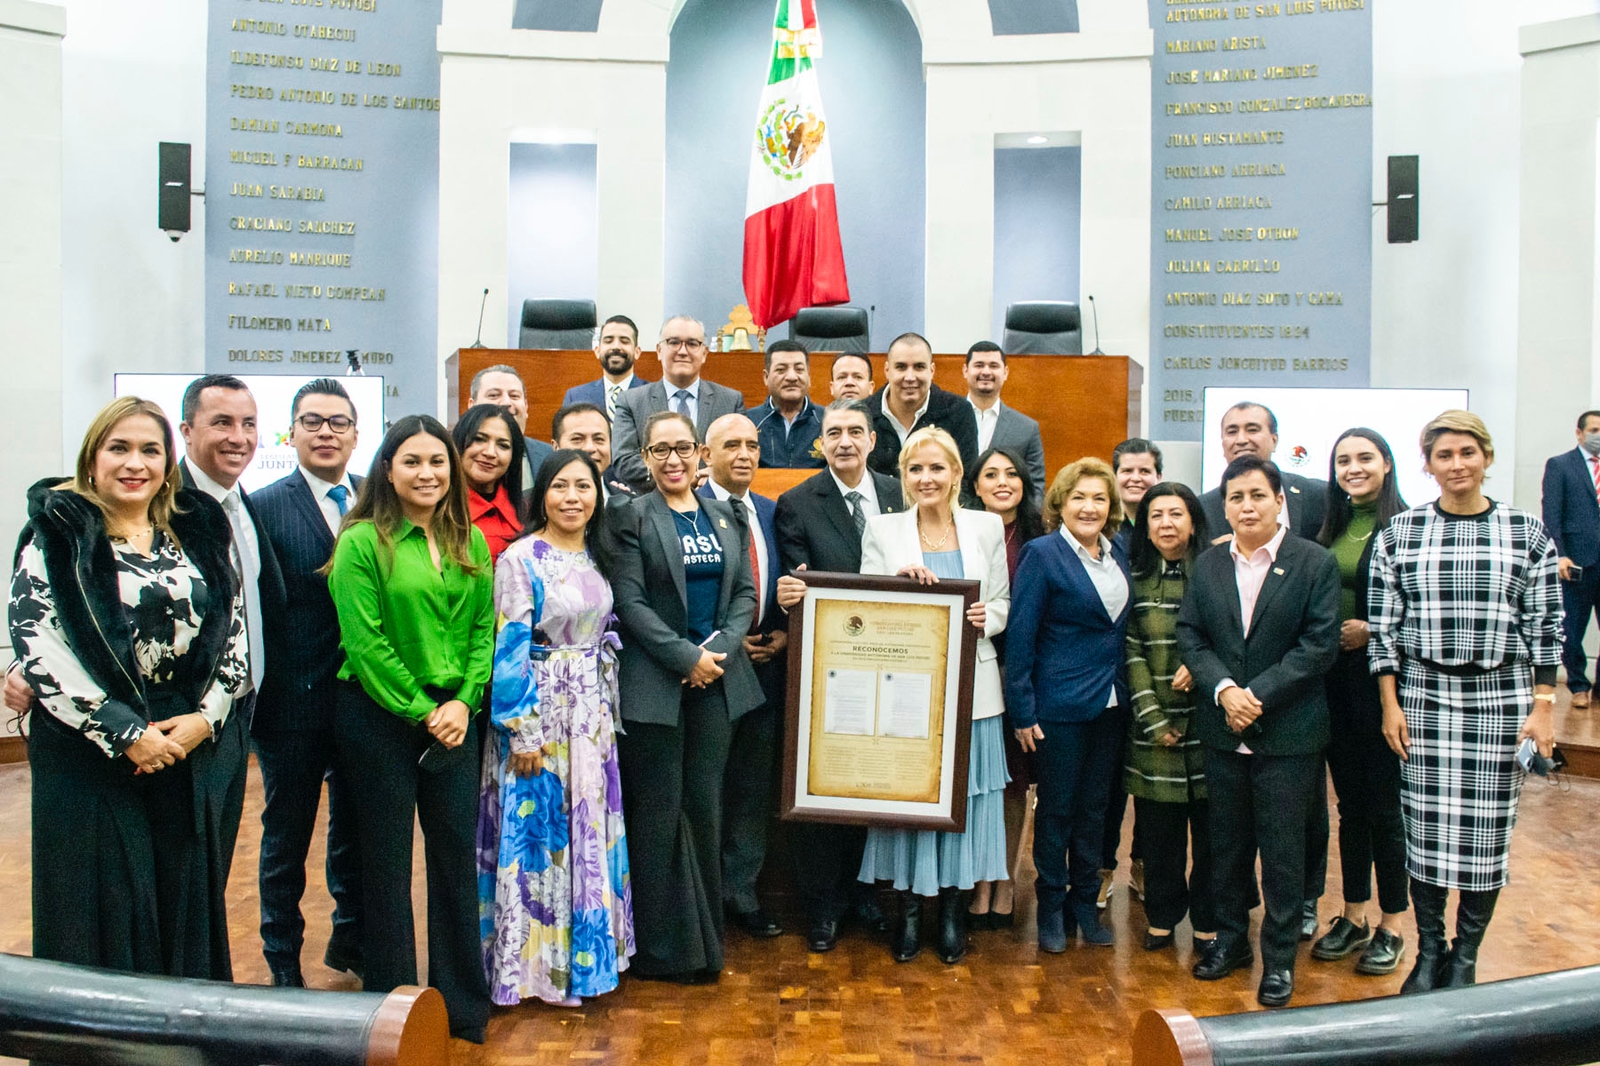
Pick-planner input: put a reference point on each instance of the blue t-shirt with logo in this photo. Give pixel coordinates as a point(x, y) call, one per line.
point(702, 571)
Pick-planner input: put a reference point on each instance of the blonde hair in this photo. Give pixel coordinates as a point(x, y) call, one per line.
point(164, 505)
point(952, 454)
point(1456, 420)
point(1067, 480)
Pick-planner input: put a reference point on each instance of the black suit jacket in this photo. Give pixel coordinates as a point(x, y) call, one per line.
point(1306, 498)
point(1294, 639)
point(297, 692)
point(814, 526)
point(949, 412)
point(272, 597)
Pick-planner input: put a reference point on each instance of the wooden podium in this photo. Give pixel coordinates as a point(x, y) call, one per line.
point(1085, 404)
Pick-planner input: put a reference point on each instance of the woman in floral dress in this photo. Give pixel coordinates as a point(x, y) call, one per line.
point(556, 909)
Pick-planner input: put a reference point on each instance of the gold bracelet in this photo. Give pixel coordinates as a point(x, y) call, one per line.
point(1547, 697)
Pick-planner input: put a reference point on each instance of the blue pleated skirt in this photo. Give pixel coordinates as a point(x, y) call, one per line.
point(924, 861)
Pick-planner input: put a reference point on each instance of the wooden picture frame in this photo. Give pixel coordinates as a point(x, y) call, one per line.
point(879, 716)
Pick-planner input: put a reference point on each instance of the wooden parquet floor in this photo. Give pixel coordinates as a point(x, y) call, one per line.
point(1005, 1005)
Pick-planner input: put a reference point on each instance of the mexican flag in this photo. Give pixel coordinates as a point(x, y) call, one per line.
point(792, 255)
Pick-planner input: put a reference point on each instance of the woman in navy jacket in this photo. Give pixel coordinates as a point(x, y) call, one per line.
point(1066, 690)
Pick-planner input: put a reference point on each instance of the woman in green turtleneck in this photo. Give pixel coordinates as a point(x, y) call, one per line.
point(1362, 497)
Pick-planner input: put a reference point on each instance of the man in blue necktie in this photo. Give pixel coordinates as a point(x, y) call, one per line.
point(293, 727)
point(682, 351)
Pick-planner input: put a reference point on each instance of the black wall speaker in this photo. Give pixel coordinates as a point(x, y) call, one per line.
point(1402, 199)
point(172, 200)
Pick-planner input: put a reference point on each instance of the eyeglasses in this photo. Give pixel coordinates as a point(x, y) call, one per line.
point(682, 449)
point(693, 344)
point(314, 423)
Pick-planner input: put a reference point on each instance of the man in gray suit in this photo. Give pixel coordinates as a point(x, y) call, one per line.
point(682, 351)
point(1000, 426)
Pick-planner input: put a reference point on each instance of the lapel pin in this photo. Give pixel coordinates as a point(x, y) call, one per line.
point(723, 522)
point(1278, 570)
point(1294, 490)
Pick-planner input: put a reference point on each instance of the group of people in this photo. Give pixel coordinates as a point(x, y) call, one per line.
point(566, 659)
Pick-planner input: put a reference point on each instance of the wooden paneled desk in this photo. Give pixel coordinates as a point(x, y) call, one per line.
point(1085, 404)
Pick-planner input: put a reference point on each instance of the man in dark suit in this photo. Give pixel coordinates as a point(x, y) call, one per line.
point(788, 422)
point(1572, 515)
point(501, 384)
point(1249, 428)
point(909, 400)
point(1000, 426)
point(1259, 627)
point(732, 452)
point(584, 427)
point(616, 345)
point(220, 435)
point(293, 727)
point(682, 350)
point(819, 524)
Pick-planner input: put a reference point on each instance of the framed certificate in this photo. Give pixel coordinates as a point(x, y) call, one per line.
point(880, 702)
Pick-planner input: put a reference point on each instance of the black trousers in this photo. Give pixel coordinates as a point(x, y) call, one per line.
point(672, 778)
point(293, 768)
point(1372, 832)
point(1581, 599)
point(377, 755)
point(1071, 765)
point(230, 771)
point(1171, 888)
point(827, 860)
point(747, 803)
point(1260, 802)
point(1117, 808)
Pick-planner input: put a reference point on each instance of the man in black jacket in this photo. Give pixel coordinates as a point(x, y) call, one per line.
point(909, 400)
point(819, 524)
point(1259, 627)
point(293, 727)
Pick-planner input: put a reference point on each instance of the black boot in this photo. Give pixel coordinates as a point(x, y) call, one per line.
point(907, 939)
point(1432, 951)
point(952, 926)
point(1473, 911)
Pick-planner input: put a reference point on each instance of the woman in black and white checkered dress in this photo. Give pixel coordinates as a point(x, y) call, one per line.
point(1465, 615)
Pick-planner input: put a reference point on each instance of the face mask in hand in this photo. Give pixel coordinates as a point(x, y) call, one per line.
point(1591, 443)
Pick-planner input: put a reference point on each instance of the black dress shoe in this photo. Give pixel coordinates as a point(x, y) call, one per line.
point(1155, 942)
point(1002, 919)
point(1222, 960)
point(907, 942)
point(759, 924)
point(1276, 988)
point(1383, 954)
point(1308, 920)
point(870, 916)
point(343, 959)
point(822, 934)
point(1343, 939)
point(287, 977)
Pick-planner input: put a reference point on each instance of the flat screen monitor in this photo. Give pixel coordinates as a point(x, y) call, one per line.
point(275, 457)
point(1310, 420)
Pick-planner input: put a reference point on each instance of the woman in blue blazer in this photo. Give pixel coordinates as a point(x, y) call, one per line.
point(1066, 690)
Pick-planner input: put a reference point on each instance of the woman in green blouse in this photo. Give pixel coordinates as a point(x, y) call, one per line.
point(1165, 771)
point(414, 589)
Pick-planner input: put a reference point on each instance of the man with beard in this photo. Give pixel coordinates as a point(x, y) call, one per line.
point(616, 345)
point(999, 426)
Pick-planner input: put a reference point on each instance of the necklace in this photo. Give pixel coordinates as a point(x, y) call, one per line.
point(933, 547)
point(129, 535)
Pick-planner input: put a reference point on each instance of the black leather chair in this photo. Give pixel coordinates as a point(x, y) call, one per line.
point(1043, 327)
point(557, 324)
point(831, 329)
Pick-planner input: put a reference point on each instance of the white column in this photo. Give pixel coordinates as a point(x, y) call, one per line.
point(30, 253)
point(1558, 364)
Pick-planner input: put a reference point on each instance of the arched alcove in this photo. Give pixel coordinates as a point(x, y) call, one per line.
point(872, 87)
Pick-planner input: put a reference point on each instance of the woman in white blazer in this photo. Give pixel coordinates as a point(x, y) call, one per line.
point(932, 539)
